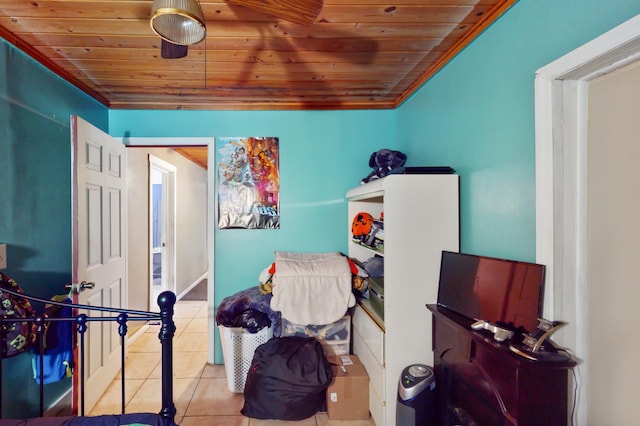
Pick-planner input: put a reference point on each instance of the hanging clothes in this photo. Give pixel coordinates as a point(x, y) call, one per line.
point(58, 346)
point(18, 336)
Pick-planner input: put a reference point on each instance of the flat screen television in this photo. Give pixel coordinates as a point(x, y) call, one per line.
point(503, 292)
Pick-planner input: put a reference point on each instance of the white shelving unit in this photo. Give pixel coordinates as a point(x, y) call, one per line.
point(421, 218)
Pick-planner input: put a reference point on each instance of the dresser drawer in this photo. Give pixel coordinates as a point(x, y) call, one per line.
point(371, 334)
point(376, 408)
point(374, 369)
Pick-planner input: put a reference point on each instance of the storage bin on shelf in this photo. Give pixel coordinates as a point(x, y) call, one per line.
point(335, 337)
point(238, 347)
point(376, 292)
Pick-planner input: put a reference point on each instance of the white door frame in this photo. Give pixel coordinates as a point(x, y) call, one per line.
point(169, 219)
point(561, 120)
point(211, 224)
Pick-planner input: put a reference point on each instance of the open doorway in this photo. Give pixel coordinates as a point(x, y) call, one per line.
point(562, 204)
point(194, 224)
point(167, 215)
point(162, 181)
point(162, 212)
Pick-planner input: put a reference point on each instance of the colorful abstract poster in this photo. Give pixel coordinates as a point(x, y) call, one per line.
point(248, 182)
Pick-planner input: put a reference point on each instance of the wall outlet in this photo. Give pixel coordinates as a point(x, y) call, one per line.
point(3, 256)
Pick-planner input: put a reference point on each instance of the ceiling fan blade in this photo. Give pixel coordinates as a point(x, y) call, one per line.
point(304, 12)
point(169, 50)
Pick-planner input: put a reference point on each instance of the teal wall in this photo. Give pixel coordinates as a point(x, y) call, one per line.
point(477, 116)
point(322, 154)
point(35, 189)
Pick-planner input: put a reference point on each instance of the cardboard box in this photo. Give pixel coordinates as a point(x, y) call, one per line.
point(348, 393)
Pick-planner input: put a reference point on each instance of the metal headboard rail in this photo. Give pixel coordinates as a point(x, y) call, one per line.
point(166, 302)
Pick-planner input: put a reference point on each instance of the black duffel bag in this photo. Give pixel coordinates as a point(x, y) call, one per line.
point(287, 380)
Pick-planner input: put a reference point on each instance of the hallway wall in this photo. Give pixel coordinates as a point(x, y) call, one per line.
point(614, 244)
point(191, 222)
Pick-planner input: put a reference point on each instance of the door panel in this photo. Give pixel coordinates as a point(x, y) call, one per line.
point(93, 239)
point(115, 226)
point(115, 298)
point(99, 250)
point(93, 360)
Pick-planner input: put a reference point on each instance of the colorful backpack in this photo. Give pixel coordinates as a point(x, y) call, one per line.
point(17, 336)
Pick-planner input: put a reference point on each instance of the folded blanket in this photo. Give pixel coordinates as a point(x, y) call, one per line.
point(312, 288)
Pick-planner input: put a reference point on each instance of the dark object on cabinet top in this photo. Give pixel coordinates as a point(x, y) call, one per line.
point(428, 170)
point(385, 162)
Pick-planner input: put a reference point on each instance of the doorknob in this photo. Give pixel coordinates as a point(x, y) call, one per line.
point(77, 288)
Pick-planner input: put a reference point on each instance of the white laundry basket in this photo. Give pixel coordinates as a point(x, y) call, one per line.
point(238, 346)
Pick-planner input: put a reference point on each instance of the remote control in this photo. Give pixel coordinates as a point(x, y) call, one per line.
point(499, 334)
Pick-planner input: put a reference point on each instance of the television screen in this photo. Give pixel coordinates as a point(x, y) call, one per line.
point(500, 291)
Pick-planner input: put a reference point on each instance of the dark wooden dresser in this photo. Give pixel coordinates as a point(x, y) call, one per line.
point(480, 381)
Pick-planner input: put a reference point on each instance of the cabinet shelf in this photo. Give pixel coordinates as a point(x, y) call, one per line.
point(373, 191)
point(373, 250)
point(420, 221)
point(365, 304)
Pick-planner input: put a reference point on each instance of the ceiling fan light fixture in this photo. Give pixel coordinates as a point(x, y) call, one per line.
point(178, 21)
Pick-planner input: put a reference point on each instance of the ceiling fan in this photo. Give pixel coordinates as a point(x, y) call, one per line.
point(181, 22)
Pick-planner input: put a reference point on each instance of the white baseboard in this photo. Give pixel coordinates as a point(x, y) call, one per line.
point(61, 406)
point(191, 286)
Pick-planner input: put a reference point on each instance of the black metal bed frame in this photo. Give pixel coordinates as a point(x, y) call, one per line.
point(166, 302)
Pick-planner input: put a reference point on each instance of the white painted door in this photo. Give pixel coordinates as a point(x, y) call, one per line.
point(158, 220)
point(99, 256)
point(162, 213)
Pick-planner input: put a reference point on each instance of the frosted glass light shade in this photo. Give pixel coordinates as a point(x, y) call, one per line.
point(178, 21)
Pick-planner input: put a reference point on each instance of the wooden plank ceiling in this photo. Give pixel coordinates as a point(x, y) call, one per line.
point(358, 54)
point(196, 154)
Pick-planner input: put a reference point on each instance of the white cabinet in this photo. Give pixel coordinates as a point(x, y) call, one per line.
point(421, 218)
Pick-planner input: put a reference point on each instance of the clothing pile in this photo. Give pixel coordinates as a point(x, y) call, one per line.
point(249, 309)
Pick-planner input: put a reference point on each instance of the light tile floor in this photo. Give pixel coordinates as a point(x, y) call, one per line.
point(200, 389)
